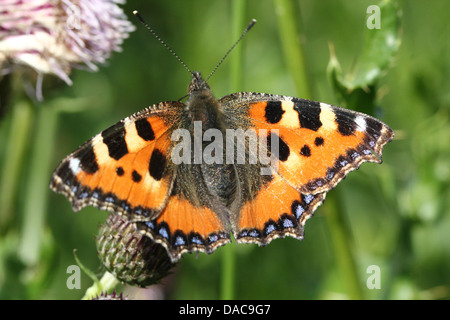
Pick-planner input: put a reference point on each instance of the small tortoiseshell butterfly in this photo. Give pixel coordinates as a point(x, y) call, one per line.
point(193, 206)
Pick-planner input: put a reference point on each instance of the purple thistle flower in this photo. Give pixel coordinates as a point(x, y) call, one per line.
point(53, 36)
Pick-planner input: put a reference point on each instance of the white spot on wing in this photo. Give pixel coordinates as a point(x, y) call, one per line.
point(74, 165)
point(361, 122)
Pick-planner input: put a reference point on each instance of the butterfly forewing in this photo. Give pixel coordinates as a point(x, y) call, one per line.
point(318, 143)
point(123, 169)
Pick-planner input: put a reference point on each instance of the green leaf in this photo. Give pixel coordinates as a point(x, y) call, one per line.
point(381, 44)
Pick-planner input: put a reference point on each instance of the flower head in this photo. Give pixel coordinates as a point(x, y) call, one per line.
point(130, 256)
point(54, 36)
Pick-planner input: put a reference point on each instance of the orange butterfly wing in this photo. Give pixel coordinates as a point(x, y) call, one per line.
point(124, 169)
point(182, 227)
point(127, 169)
point(318, 144)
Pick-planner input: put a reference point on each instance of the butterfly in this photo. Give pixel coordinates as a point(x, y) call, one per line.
point(173, 170)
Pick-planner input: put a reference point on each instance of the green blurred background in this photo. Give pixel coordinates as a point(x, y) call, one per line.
point(395, 215)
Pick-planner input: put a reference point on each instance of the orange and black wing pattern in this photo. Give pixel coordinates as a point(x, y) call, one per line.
point(184, 227)
point(125, 168)
point(317, 145)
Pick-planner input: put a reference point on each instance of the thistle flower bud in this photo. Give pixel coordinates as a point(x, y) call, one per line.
point(129, 255)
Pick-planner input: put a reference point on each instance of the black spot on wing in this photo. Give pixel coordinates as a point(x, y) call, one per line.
point(318, 141)
point(136, 176)
point(283, 151)
point(114, 138)
point(88, 160)
point(144, 129)
point(346, 122)
point(305, 151)
point(157, 164)
point(308, 113)
point(120, 171)
point(274, 112)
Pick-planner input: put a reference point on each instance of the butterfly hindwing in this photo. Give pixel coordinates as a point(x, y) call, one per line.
point(194, 218)
point(273, 210)
point(183, 227)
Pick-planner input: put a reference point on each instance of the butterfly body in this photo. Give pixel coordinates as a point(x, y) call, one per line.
point(173, 169)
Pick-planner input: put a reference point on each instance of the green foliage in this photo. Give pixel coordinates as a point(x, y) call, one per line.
point(359, 87)
point(396, 215)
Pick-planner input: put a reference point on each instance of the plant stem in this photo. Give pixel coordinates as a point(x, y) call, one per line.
point(292, 48)
point(229, 252)
point(342, 245)
point(15, 147)
point(36, 192)
point(106, 283)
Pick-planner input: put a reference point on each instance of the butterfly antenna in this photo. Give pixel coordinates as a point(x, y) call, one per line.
point(251, 24)
point(136, 13)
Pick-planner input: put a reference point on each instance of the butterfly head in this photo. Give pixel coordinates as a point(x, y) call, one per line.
point(202, 105)
point(197, 83)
